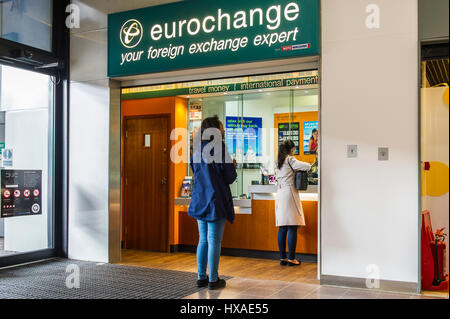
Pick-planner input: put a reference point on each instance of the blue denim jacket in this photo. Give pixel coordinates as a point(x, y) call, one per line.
point(211, 195)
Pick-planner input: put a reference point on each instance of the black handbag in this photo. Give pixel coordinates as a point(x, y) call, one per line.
point(301, 179)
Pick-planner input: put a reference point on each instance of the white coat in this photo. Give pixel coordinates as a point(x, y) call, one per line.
point(288, 207)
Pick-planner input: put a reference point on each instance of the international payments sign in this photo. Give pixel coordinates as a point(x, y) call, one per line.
point(199, 33)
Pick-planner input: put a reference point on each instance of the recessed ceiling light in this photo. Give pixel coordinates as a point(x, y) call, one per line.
point(188, 96)
point(297, 87)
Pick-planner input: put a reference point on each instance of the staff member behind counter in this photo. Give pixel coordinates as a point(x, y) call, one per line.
point(288, 207)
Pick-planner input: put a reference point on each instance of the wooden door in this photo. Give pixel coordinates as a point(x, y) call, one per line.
point(146, 198)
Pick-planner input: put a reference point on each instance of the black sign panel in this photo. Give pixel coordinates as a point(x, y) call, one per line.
point(21, 193)
point(290, 131)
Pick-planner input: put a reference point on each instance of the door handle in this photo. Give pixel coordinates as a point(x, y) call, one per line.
point(164, 181)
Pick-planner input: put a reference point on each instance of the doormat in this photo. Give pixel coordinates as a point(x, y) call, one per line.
point(57, 279)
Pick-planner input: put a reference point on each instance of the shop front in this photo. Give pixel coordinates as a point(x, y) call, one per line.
point(269, 70)
point(258, 111)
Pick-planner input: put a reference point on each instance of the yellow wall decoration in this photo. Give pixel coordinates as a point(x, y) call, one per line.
point(435, 181)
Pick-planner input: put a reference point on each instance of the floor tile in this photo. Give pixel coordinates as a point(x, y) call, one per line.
point(326, 293)
point(261, 291)
point(286, 294)
point(276, 284)
point(388, 295)
point(360, 294)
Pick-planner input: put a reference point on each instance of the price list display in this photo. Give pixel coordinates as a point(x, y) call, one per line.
point(290, 131)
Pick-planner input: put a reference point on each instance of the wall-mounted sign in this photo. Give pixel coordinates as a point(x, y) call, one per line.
point(290, 131)
point(21, 193)
point(196, 33)
point(195, 110)
point(310, 137)
point(224, 88)
point(243, 138)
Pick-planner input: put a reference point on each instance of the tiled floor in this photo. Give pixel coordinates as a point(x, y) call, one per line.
point(260, 279)
point(229, 266)
point(243, 288)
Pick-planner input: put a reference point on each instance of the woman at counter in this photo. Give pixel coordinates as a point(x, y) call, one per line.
point(212, 202)
point(288, 207)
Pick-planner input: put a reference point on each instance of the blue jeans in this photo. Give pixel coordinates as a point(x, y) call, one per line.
point(292, 241)
point(208, 249)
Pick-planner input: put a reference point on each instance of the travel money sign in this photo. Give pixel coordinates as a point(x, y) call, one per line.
point(198, 33)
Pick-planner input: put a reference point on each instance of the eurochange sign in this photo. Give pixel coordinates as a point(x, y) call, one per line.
point(199, 33)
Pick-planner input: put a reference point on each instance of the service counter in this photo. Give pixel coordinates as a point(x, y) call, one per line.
point(254, 226)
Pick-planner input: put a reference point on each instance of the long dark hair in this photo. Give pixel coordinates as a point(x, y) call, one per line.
point(284, 149)
point(312, 134)
point(210, 122)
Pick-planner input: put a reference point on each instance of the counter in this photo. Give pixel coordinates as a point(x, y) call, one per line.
point(268, 192)
point(254, 226)
point(259, 192)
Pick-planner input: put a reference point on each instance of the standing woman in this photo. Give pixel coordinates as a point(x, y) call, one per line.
point(288, 207)
point(212, 202)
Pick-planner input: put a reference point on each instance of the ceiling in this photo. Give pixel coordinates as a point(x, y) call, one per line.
point(113, 6)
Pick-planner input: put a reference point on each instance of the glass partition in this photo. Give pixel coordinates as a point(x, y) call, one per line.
point(435, 171)
point(256, 122)
point(28, 22)
point(26, 113)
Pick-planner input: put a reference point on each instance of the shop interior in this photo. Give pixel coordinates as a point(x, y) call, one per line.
point(257, 113)
point(435, 171)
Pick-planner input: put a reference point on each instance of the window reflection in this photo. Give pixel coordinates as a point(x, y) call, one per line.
point(28, 22)
point(256, 122)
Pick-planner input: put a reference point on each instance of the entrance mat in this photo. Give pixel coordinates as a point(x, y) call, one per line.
point(49, 279)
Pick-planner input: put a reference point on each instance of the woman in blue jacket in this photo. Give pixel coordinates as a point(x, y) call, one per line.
point(212, 202)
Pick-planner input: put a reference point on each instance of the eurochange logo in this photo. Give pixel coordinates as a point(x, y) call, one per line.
point(131, 33)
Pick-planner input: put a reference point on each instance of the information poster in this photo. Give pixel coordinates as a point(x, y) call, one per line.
point(310, 141)
point(195, 111)
point(243, 138)
point(7, 157)
point(290, 131)
point(21, 193)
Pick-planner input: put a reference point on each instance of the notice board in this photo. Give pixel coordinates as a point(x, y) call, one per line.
point(21, 193)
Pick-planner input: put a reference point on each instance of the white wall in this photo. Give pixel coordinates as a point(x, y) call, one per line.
point(92, 214)
point(370, 209)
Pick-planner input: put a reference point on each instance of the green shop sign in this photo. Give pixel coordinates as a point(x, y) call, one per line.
point(199, 33)
point(224, 88)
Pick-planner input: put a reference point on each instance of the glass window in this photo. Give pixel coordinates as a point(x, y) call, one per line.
point(26, 105)
point(256, 121)
point(435, 152)
point(269, 111)
point(28, 22)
